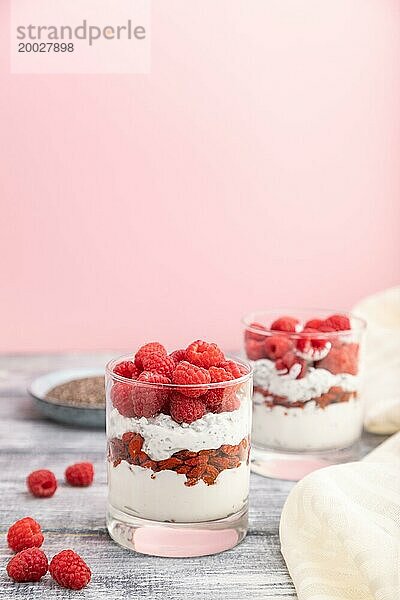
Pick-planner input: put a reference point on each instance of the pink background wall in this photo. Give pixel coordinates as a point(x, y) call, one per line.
point(257, 165)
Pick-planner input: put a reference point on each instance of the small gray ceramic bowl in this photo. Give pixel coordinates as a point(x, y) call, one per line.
point(72, 415)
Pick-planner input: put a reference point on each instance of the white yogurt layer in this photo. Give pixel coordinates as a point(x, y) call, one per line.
point(314, 384)
point(166, 498)
point(310, 428)
point(163, 436)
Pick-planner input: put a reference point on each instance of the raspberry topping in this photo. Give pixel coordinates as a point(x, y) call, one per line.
point(186, 410)
point(150, 348)
point(314, 324)
point(80, 474)
point(25, 533)
point(69, 570)
point(178, 355)
point(276, 346)
point(204, 354)
point(219, 374)
point(158, 363)
point(285, 324)
point(338, 322)
point(312, 348)
point(234, 368)
point(342, 358)
point(254, 349)
point(189, 374)
point(286, 363)
point(122, 398)
point(148, 401)
point(28, 565)
point(251, 335)
point(42, 483)
point(128, 369)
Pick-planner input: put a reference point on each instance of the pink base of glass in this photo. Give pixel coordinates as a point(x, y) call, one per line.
point(293, 466)
point(176, 539)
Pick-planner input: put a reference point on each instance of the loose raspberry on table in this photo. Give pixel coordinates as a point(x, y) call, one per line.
point(128, 369)
point(178, 355)
point(69, 570)
point(80, 474)
point(186, 410)
point(150, 348)
point(288, 361)
point(148, 400)
point(255, 350)
point(236, 369)
point(188, 374)
point(159, 363)
point(25, 533)
point(42, 483)
point(338, 322)
point(28, 565)
point(251, 335)
point(341, 359)
point(122, 398)
point(276, 346)
point(204, 354)
point(289, 324)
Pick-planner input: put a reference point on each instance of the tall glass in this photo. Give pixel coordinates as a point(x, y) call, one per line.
point(178, 488)
point(307, 411)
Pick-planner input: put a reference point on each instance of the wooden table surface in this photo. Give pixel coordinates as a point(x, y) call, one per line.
point(75, 518)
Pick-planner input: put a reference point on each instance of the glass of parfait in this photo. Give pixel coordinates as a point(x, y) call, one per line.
point(178, 451)
point(307, 411)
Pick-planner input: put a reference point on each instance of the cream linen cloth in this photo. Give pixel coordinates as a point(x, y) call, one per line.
point(340, 526)
point(381, 361)
point(340, 529)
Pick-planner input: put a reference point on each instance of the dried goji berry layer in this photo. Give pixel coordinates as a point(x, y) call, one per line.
point(205, 464)
point(334, 395)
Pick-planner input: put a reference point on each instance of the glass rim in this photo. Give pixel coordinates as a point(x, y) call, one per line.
point(288, 310)
point(176, 386)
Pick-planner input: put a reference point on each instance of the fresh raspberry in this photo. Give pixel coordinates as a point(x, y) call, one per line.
point(80, 474)
point(234, 368)
point(312, 348)
point(150, 377)
point(219, 374)
point(251, 335)
point(204, 354)
point(188, 374)
point(151, 348)
point(128, 369)
point(42, 483)
point(341, 359)
point(230, 401)
point(219, 400)
point(159, 363)
point(255, 350)
point(314, 324)
point(288, 361)
point(178, 355)
point(186, 410)
point(338, 322)
point(285, 324)
point(25, 533)
point(122, 398)
point(148, 400)
point(70, 570)
point(28, 565)
point(276, 346)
